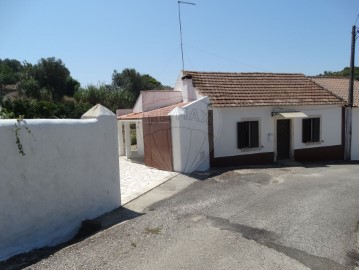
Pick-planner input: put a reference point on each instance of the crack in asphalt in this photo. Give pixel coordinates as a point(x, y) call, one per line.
point(268, 239)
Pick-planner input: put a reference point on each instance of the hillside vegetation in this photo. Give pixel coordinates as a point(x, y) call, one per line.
point(343, 73)
point(47, 90)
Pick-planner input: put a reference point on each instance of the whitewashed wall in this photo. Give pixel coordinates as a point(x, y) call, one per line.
point(151, 100)
point(189, 92)
point(139, 139)
point(70, 173)
point(355, 135)
point(120, 112)
point(225, 124)
point(330, 126)
point(189, 126)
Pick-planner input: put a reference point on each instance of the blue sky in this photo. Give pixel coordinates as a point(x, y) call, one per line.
point(95, 37)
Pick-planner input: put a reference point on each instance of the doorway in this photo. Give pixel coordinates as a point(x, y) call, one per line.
point(283, 139)
point(157, 139)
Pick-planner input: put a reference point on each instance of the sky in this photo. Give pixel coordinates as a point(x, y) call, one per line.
point(95, 37)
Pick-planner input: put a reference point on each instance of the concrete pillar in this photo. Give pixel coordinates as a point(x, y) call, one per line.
point(139, 138)
point(127, 139)
point(121, 147)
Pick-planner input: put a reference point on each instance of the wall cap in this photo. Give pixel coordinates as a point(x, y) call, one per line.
point(96, 111)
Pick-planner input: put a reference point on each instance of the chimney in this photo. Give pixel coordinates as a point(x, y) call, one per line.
point(188, 91)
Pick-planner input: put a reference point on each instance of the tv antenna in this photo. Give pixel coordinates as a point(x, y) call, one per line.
point(180, 24)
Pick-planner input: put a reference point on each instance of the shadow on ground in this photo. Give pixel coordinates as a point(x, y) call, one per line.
point(87, 229)
point(279, 164)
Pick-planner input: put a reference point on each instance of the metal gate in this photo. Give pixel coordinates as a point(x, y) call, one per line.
point(158, 142)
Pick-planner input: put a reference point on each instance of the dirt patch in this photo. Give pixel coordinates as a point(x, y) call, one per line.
point(152, 230)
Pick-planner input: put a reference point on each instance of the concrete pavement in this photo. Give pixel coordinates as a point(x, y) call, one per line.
point(136, 178)
point(277, 218)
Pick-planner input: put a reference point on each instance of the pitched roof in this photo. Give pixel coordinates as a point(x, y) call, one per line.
point(338, 86)
point(154, 113)
point(226, 89)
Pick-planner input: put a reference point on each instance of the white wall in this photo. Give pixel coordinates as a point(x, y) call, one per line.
point(120, 112)
point(151, 100)
point(189, 92)
point(189, 126)
point(225, 125)
point(138, 105)
point(355, 135)
point(330, 126)
point(139, 139)
point(70, 173)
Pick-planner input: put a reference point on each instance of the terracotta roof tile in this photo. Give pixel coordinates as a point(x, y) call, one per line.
point(226, 89)
point(338, 86)
point(154, 113)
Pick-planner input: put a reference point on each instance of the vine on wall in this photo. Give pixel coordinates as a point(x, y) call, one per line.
point(21, 124)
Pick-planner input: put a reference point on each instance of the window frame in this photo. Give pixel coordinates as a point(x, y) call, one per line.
point(248, 144)
point(313, 134)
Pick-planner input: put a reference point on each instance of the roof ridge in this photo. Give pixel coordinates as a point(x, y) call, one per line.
point(225, 72)
point(158, 90)
point(329, 77)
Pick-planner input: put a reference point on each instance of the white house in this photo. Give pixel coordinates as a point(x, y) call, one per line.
point(340, 87)
point(231, 119)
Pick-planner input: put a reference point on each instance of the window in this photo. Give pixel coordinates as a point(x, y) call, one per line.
point(311, 130)
point(248, 134)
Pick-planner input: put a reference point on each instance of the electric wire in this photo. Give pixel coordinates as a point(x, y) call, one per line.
point(227, 59)
point(356, 19)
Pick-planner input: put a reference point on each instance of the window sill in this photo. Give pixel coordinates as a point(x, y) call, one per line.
point(312, 143)
point(248, 149)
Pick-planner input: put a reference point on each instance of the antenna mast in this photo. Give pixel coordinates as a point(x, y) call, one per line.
point(180, 24)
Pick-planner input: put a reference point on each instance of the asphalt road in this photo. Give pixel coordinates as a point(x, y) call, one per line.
point(278, 218)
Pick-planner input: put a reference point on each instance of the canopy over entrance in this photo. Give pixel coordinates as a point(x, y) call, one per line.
point(288, 115)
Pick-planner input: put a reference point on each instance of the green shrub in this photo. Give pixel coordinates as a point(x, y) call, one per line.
point(133, 137)
point(109, 96)
point(30, 108)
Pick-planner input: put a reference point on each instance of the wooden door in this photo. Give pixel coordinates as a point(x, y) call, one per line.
point(283, 139)
point(158, 142)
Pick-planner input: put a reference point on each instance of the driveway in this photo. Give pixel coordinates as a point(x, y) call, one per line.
point(276, 218)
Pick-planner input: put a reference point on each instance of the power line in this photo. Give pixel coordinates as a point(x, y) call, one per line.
point(356, 20)
point(227, 59)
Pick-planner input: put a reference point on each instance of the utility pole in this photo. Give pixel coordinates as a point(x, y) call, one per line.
point(352, 56)
point(349, 109)
point(180, 24)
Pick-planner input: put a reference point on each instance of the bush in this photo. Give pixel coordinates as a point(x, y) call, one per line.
point(30, 108)
point(109, 96)
point(133, 136)
point(5, 114)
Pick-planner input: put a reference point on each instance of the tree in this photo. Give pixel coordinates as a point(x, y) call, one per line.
point(49, 79)
point(129, 80)
point(28, 85)
point(150, 83)
point(343, 73)
point(44, 89)
point(132, 81)
point(109, 96)
point(10, 70)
